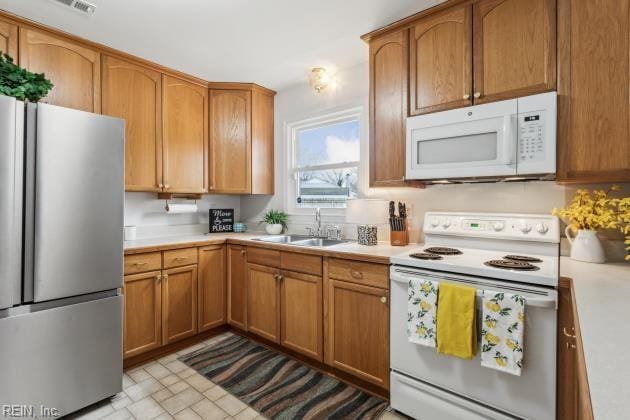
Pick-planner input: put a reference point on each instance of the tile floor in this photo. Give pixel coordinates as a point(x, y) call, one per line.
point(168, 389)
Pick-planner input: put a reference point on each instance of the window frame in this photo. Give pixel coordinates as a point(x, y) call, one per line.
point(292, 129)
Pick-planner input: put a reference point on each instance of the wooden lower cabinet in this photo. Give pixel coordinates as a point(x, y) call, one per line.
point(573, 394)
point(301, 313)
point(237, 286)
point(357, 330)
point(143, 313)
point(179, 299)
point(263, 301)
point(212, 287)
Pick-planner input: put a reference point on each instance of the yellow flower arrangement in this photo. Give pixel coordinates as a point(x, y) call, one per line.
point(598, 211)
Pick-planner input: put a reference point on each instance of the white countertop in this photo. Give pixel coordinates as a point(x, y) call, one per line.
point(382, 250)
point(602, 294)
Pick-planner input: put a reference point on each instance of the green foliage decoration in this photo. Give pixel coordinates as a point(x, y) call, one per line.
point(21, 83)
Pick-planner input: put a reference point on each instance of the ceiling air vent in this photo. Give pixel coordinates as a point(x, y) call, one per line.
point(79, 5)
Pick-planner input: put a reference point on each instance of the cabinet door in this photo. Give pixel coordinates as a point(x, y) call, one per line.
point(301, 314)
point(185, 136)
point(212, 290)
point(388, 108)
point(237, 286)
point(357, 318)
point(179, 294)
point(514, 48)
point(74, 69)
point(263, 301)
point(230, 141)
point(567, 404)
point(593, 91)
point(134, 93)
point(262, 174)
point(9, 39)
point(143, 313)
point(440, 64)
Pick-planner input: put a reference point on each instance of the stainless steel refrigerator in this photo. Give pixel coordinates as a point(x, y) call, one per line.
point(61, 257)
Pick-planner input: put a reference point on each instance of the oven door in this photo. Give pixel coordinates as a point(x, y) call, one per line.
point(478, 141)
point(531, 395)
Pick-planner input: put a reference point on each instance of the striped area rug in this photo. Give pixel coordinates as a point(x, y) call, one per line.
point(278, 386)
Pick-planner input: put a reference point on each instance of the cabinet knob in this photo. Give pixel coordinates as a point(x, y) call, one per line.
point(384, 299)
point(570, 346)
point(466, 96)
point(139, 264)
point(477, 95)
point(166, 186)
point(356, 274)
point(160, 185)
point(243, 252)
point(568, 334)
point(158, 278)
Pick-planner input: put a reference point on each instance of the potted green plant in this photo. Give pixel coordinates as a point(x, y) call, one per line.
point(21, 83)
point(276, 220)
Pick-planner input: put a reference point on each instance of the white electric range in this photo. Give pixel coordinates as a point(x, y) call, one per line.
point(514, 253)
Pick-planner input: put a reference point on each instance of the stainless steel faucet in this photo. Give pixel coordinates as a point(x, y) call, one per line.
point(318, 220)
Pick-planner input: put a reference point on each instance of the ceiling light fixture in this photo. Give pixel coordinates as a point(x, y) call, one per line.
point(320, 79)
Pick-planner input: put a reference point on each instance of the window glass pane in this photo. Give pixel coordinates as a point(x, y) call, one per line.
point(335, 143)
point(328, 188)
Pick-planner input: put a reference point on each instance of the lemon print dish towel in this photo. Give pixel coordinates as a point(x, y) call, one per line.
point(502, 331)
point(456, 327)
point(421, 310)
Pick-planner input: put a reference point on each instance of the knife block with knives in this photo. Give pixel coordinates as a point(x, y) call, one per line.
point(399, 235)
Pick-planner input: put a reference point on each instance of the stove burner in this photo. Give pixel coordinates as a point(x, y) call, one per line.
point(523, 258)
point(425, 256)
point(512, 265)
point(441, 250)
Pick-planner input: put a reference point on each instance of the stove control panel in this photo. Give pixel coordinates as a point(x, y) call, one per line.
point(529, 227)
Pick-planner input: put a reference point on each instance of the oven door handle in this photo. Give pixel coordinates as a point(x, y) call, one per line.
point(550, 302)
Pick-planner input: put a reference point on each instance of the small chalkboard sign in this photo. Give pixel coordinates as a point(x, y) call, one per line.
point(221, 220)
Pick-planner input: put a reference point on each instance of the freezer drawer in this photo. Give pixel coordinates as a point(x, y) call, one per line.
point(422, 401)
point(64, 358)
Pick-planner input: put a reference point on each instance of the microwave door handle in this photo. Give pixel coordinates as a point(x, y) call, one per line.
point(509, 139)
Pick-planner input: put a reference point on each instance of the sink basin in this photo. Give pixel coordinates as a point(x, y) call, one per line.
point(283, 239)
point(318, 242)
point(300, 240)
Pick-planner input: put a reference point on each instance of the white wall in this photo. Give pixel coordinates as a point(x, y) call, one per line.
point(148, 213)
point(301, 102)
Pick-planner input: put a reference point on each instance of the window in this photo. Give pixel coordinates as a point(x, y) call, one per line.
point(325, 154)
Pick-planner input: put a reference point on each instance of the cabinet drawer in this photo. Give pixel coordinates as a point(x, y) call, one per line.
point(359, 272)
point(309, 264)
point(180, 257)
point(140, 263)
point(261, 256)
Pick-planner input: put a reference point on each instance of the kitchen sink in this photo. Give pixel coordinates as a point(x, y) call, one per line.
point(301, 240)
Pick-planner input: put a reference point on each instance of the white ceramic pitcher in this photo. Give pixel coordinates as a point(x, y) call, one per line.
point(586, 246)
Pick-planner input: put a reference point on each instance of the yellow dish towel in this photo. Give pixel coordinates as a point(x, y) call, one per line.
point(456, 328)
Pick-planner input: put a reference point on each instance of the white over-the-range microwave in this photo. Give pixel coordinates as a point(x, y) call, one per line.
point(507, 140)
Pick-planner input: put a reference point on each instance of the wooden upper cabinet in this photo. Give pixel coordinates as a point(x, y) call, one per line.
point(388, 108)
point(440, 61)
point(212, 287)
point(185, 136)
point(262, 172)
point(74, 69)
point(237, 286)
point(301, 313)
point(9, 39)
point(593, 91)
point(134, 93)
point(514, 48)
point(263, 301)
point(231, 141)
point(143, 313)
point(179, 297)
